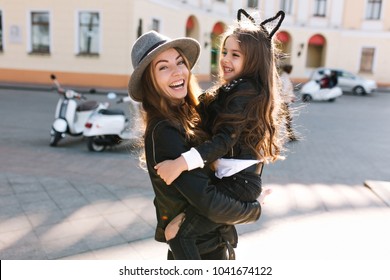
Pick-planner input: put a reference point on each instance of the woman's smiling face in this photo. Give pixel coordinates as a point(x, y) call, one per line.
point(171, 74)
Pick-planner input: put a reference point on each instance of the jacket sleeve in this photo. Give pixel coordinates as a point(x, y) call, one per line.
point(194, 185)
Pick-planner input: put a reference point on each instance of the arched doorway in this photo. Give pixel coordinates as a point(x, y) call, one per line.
point(192, 28)
point(218, 29)
point(316, 51)
point(284, 44)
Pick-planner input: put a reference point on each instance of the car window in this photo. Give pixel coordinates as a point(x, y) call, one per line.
point(347, 75)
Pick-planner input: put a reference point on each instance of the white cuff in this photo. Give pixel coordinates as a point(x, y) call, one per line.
point(193, 159)
point(229, 166)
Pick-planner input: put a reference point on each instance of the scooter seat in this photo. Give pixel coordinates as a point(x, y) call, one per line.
point(87, 106)
point(111, 112)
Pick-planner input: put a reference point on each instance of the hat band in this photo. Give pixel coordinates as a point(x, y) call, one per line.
point(151, 48)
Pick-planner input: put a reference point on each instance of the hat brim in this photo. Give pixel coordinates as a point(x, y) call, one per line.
point(190, 48)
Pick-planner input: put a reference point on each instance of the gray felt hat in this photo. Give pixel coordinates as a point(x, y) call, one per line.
point(147, 47)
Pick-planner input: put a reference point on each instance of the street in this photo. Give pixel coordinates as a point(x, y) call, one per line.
point(106, 198)
point(341, 142)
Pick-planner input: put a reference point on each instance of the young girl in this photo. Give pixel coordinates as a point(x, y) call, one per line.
point(242, 117)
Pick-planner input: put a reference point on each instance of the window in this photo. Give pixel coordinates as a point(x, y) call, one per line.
point(1, 32)
point(286, 6)
point(367, 59)
point(89, 33)
point(320, 8)
point(40, 32)
point(374, 9)
point(156, 25)
point(253, 4)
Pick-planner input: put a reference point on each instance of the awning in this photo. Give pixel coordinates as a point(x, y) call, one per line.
point(218, 28)
point(283, 37)
point(190, 23)
point(317, 40)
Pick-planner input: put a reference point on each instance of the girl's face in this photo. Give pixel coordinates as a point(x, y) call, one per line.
point(171, 74)
point(232, 59)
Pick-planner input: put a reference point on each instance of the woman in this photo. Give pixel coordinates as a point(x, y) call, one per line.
point(163, 83)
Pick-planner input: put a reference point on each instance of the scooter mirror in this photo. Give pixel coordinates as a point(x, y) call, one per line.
point(111, 95)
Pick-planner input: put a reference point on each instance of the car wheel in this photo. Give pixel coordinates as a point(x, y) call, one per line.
point(332, 100)
point(359, 91)
point(307, 98)
point(94, 145)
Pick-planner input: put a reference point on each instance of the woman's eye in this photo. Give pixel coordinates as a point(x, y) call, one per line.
point(181, 62)
point(224, 53)
point(163, 68)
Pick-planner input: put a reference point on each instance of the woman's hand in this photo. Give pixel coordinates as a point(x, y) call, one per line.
point(173, 227)
point(263, 195)
point(213, 165)
point(169, 170)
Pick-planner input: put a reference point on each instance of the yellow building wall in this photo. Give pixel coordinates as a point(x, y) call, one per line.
point(110, 68)
point(119, 22)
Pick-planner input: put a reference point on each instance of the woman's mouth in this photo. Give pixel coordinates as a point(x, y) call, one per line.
point(227, 69)
point(177, 84)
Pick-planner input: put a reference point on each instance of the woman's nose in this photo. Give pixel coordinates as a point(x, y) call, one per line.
point(177, 71)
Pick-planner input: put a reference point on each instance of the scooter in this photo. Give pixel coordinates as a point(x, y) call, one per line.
point(110, 127)
point(312, 91)
point(70, 115)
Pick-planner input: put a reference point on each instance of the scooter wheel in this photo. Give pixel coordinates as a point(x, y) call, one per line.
point(54, 138)
point(93, 146)
point(307, 98)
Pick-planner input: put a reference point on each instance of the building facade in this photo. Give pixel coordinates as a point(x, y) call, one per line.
point(88, 43)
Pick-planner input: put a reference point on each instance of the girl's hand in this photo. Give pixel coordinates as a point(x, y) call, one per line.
point(263, 195)
point(169, 170)
point(173, 227)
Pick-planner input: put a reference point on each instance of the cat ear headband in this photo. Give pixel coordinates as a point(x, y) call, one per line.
point(279, 16)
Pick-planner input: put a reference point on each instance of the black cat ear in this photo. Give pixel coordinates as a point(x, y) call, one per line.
point(279, 17)
point(248, 16)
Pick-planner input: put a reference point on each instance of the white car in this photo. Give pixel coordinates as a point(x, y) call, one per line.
point(313, 91)
point(347, 81)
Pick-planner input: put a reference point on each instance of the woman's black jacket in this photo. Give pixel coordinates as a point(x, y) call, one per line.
point(163, 141)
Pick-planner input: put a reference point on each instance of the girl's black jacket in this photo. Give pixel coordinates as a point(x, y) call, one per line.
point(227, 141)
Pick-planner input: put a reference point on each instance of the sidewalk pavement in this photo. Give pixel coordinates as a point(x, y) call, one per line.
point(47, 218)
point(300, 222)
